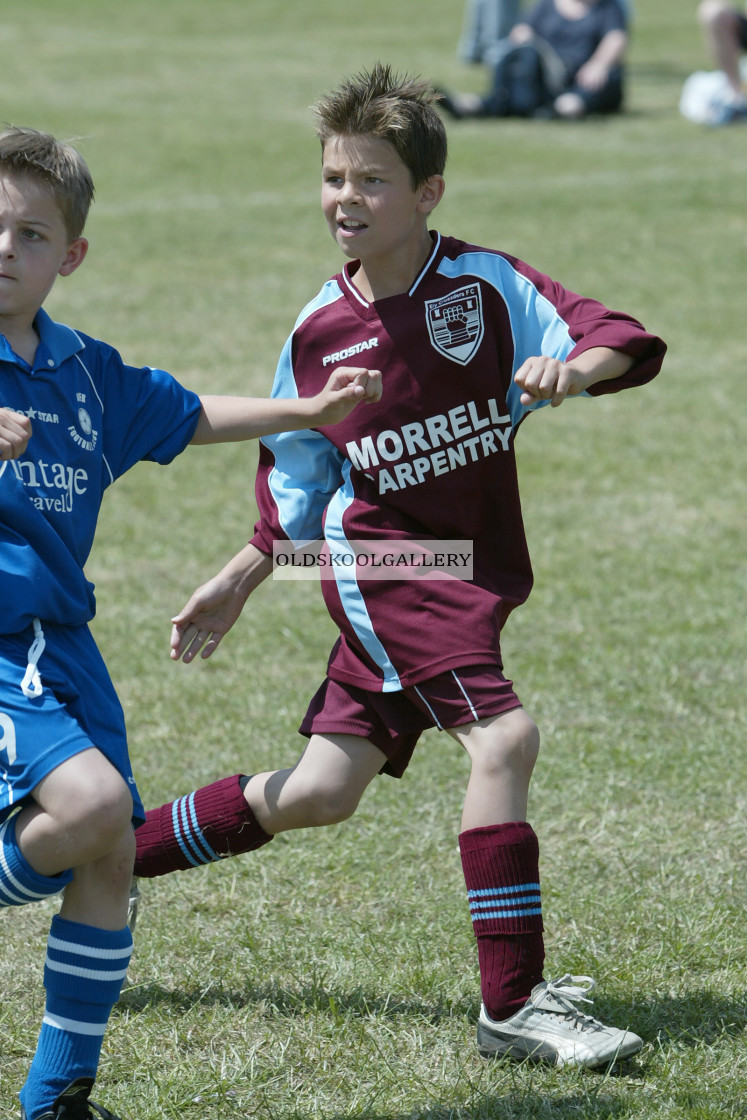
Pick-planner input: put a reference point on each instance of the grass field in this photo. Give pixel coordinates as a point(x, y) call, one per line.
point(333, 976)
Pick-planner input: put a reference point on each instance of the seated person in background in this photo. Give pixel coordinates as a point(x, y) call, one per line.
point(486, 24)
point(565, 59)
point(725, 31)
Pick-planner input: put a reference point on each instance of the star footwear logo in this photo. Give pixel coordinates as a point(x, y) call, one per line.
point(37, 414)
point(455, 323)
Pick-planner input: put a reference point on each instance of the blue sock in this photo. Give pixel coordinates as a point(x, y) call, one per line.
point(83, 976)
point(19, 883)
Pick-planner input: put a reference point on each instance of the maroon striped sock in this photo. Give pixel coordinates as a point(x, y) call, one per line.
point(202, 827)
point(501, 870)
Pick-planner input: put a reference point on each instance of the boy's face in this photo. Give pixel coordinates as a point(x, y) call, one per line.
point(372, 209)
point(34, 247)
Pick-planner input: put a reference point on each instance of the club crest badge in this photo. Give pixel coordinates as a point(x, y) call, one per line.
point(85, 435)
point(455, 323)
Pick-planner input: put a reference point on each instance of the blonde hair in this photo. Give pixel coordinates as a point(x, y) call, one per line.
point(24, 151)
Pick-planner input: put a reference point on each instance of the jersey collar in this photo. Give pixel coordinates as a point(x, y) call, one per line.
point(349, 271)
point(57, 343)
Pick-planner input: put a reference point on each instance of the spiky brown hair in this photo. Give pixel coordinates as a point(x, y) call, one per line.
point(389, 106)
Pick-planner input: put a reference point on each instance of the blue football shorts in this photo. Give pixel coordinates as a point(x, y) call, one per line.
point(76, 709)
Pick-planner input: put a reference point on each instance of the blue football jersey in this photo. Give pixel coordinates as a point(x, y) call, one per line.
point(93, 418)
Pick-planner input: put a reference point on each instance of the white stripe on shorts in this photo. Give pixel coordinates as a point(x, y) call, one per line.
point(430, 709)
point(464, 694)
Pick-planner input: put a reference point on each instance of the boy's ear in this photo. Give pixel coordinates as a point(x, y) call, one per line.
point(75, 256)
point(431, 193)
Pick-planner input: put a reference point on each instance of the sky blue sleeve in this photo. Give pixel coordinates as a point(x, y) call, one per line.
point(298, 473)
point(537, 327)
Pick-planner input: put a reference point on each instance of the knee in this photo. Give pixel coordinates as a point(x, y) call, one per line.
point(522, 742)
point(330, 803)
point(512, 744)
point(99, 808)
point(105, 814)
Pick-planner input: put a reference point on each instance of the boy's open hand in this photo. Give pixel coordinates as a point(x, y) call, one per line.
point(212, 610)
point(547, 379)
point(347, 387)
point(205, 619)
point(15, 433)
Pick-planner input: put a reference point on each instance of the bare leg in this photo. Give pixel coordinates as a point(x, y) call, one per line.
point(99, 893)
point(236, 815)
point(324, 787)
point(82, 820)
point(503, 751)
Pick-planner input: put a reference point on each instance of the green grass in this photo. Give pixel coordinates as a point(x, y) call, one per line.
point(333, 976)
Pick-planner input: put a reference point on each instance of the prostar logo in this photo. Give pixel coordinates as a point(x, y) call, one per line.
point(455, 323)
point(349, 351)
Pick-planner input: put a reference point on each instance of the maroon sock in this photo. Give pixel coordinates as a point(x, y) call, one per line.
point(501, 870)
point(202, 827)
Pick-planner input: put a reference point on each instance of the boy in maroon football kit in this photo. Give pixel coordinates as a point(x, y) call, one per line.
point(469, 341)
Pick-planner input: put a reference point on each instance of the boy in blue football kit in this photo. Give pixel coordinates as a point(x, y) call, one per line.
point(73, 418)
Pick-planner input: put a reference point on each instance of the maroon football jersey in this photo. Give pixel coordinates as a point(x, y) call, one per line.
point(434, 459)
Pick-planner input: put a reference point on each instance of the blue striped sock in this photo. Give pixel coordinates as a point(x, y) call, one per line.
point(83, 976)
point(19, 883)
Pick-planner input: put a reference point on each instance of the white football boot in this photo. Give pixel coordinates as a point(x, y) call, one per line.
point(550, 1028)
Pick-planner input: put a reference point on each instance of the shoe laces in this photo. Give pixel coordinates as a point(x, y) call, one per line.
point(565, 993)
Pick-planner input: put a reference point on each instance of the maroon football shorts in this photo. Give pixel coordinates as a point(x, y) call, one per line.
point(394, 721)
